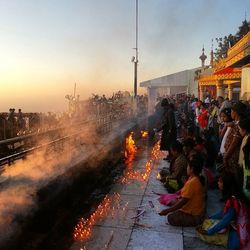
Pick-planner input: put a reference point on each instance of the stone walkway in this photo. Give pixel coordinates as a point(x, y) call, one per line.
point(148, 231)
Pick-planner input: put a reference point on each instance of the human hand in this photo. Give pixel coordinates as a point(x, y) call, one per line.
point(163, 212)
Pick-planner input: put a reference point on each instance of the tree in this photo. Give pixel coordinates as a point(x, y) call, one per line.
point(223, 44)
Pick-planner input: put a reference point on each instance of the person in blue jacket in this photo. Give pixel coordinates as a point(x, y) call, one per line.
point(235, 215)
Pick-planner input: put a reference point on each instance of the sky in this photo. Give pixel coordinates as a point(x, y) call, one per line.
point(48, 46)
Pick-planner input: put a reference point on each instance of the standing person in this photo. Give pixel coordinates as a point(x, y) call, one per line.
point(168, 127)
point(3, 123)
point(222, 103)
point(227, 121)
point(234, 138)
point(203, 117)
point(244, 157)
point(213, 118)
point(11, 123)
point(20, 121)
point(189, 210)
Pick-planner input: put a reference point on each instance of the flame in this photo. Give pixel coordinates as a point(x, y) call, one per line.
point(158, 177)
point(144, 134)
point(84, 229)
point(142, 176)
point(130, 150)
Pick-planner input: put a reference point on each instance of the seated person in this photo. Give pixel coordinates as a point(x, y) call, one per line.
point(189, 210)
point(178, 168)
point(234, 217)
point(188, 148)
point(200, 146)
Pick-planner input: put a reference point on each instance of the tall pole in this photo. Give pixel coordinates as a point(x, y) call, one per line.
point(136, 48)
point(75, 90)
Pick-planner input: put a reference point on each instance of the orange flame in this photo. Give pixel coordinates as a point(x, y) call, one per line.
point(142, 176)
point(144, 134)
point(84, 229)
point(130, 150)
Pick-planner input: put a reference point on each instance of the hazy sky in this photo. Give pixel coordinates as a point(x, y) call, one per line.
point(48, 45)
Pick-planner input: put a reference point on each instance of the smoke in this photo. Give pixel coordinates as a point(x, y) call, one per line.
point(18, 194)
point(181, 29)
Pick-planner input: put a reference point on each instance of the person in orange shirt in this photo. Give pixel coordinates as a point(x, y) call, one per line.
point(189, 210)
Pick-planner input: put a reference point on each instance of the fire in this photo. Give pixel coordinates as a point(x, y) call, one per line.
point(142, 176)
point(144, 134)
point(130, 150)
point(110, 206)
point(84, 229)
point(158, 177)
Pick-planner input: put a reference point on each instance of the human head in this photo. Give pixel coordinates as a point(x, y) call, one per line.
point(220, 99)
point(238, 110)
point(176, 148)
point(202, 105)
point(195, 165)
point(226, 115)
point(244, 126)
point(164, 102)
point(214, 103)
point(199, 140)
point(188, 145)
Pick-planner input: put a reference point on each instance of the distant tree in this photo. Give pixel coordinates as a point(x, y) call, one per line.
point(223, 44)
point(243, 30)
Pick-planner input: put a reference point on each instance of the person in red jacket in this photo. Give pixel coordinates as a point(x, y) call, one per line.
point(203, 117)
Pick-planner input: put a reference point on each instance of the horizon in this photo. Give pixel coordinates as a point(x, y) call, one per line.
point(46, 47)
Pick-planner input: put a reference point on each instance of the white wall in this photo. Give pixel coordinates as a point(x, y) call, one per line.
point(245, 83)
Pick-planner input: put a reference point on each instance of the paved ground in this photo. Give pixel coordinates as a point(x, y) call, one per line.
point(120, 231)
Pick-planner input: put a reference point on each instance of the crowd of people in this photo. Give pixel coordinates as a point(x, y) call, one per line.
point(14, 124)
point(208, 146)
point(118, 106)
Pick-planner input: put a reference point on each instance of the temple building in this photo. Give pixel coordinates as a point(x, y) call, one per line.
point(230, 76)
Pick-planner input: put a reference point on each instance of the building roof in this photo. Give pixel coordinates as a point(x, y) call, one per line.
point(228, 70)
point(181, 78)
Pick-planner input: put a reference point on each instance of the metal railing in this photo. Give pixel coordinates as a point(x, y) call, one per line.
point(30, 142)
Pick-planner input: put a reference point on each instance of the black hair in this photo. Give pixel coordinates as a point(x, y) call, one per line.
point(245, 124)
point(176, 146)
point(246, 151)
point(196, 164)
point(164, 102)
point(227, 112)
point(199, 140)
point(172, 106)
point(189, 142)
point(231, 185)
point(240, 108)
point(214, 102)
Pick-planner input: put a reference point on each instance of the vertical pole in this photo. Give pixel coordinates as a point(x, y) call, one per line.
point(74, 91)
point(136, 48)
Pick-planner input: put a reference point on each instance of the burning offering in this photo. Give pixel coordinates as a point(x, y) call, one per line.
point(144, 134)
